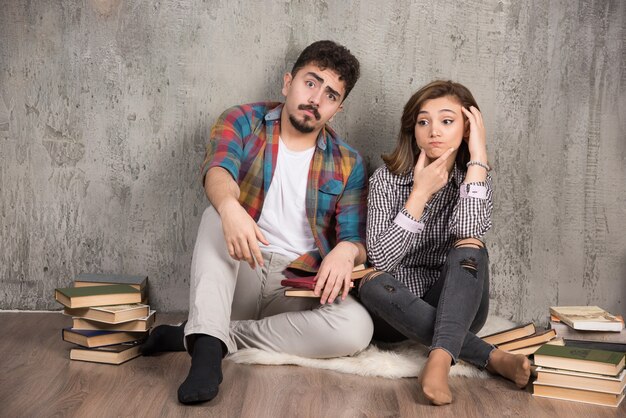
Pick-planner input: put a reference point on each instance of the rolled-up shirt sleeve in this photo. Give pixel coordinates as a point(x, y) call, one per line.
point(471, 217)
point(390, 233)
point(225, 148)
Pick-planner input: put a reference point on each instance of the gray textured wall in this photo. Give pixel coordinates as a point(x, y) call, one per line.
point(105, 106)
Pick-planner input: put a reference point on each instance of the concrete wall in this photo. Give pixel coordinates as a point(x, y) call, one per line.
point(105, 107)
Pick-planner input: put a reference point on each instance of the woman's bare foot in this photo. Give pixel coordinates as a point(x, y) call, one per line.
point(515, 367)
point(434, 377)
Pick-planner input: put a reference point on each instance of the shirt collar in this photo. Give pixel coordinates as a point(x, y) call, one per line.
point(323, 137)
point(458, 175)
point(274, 114)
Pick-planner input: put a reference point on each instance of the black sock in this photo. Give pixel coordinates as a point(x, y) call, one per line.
point(165, 338)
point(205, 373)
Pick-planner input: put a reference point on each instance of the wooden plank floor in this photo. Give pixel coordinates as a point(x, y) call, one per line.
point(38, 380)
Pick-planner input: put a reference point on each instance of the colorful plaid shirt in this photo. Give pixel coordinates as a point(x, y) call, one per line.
point(244, 141)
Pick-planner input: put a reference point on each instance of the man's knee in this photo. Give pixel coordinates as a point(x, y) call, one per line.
point(354, 332)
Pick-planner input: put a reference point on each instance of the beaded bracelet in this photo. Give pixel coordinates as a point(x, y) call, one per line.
point(479, 164)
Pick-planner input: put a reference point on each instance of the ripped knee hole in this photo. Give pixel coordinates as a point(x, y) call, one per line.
point(469, 264)
point(469, 243)
point(389, 288)
point(369, 277)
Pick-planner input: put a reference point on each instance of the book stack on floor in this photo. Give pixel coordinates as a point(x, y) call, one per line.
point(524, 339)
point(589, 327)
point(580, 374)
point(304, 286)
point(110, 317)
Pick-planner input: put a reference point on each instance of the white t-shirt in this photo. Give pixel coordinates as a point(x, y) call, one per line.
point(283, 218)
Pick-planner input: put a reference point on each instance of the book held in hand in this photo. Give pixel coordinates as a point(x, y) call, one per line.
point(307, 282)
point(97, 338)
point(608, 363)
point(300, 293)
point(306, 293)
point(112, 354)
point(510, 334)
point(113, 314)
point(298, 285)
point(81, 297)
point(137, 325)
point(591, 318)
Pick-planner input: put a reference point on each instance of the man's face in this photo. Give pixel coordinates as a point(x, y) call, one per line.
point(313, 97)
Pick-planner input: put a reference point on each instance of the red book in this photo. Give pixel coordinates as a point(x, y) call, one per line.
point(307, 282)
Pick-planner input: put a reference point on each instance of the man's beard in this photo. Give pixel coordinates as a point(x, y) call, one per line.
point(301, 126)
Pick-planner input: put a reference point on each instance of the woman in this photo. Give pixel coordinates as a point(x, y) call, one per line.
point(428, 206)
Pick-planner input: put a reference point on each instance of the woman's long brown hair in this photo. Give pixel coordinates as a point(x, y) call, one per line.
point(403, 158)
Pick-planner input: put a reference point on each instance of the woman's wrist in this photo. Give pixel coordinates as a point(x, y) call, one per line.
point(479, 156)
point(416, 203)
point(417, 196)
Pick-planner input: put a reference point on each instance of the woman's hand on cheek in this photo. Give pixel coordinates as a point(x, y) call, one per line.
point(477, 142)
point(429, 179)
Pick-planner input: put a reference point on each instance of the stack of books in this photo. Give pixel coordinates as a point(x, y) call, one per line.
point(524, 339)
point(580, 374)
point(303, 286)
point(589, 327)
point(110, 316)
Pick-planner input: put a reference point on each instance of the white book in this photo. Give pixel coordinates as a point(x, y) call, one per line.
point(591, 318)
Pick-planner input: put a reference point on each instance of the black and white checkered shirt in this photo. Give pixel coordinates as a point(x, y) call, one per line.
point(415, 250)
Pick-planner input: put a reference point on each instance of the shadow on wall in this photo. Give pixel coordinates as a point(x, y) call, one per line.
point(622, 300)
point(4, 118)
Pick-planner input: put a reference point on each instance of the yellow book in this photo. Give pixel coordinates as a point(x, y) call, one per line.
point(137, 325)
point(113, 314)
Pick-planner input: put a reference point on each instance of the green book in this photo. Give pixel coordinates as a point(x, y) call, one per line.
point(580, 359)
point(97, 279)
point(80, 297)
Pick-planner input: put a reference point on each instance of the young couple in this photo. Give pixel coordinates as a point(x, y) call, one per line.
point(288, 195)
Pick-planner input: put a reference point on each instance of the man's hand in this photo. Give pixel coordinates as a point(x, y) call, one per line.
point(241, 233)
point(334, 275)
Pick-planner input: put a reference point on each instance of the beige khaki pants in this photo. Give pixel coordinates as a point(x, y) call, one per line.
point(245, 307)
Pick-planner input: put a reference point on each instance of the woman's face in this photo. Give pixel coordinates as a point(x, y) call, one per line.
point(440, 125)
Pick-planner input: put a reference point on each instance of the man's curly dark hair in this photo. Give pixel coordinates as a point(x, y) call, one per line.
point(331, 55)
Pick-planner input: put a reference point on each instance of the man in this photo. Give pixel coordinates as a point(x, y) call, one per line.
point(287, 196)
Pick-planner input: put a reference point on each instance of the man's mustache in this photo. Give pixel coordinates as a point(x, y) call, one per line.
point(312, 109)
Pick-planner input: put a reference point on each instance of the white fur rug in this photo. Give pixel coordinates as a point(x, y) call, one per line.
point(404, 359)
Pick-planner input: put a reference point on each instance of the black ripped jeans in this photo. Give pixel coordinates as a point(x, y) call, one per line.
point(448, 315)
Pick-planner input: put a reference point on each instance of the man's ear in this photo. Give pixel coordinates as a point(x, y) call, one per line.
point(287, 79)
